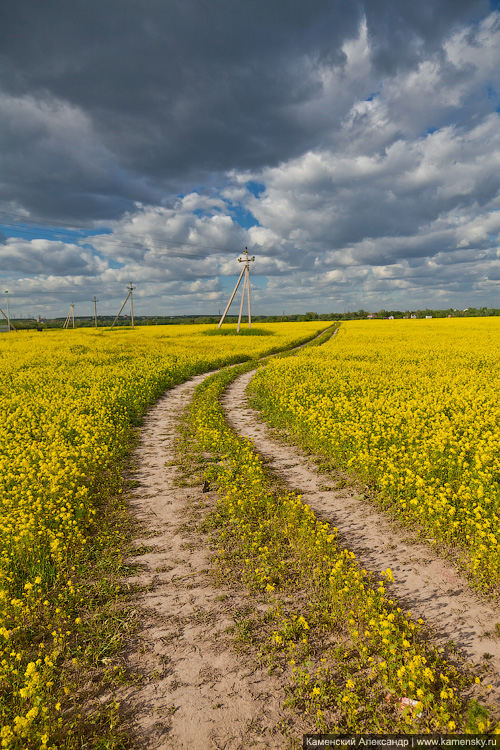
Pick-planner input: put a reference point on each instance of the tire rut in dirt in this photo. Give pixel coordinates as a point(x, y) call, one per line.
point(425, 583)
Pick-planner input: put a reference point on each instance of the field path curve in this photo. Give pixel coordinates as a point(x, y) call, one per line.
point(425, 584)
point(195, 690)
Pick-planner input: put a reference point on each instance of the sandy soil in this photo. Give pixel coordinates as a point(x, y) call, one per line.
point(196, 690)
point(425, 584)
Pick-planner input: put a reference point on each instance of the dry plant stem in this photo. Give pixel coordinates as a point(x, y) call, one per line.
point(424, 583)
point(196, 691)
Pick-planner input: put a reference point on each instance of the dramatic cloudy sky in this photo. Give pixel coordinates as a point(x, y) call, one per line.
point(352, 145)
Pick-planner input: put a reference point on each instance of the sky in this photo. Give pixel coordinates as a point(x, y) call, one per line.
point(352, 145)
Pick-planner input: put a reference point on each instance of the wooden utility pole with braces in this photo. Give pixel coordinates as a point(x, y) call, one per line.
point(71, 316)
point(130, 290)
point(245, 271)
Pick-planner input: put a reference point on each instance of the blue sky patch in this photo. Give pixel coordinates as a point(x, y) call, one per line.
point(244, 218)
point(256, 188)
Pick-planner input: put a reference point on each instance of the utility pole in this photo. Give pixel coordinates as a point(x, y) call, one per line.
point(8, 311)
point(245, 271)
point(9, 325)
point(95, 312)
point(130, 290)
point(131, 302)
point(71, 316)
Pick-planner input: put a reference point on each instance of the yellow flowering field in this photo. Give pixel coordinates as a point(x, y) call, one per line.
point(68, 400)
point(412, 407)
point(349, 652)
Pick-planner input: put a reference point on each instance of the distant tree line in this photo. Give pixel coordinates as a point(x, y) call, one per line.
point(104, 321)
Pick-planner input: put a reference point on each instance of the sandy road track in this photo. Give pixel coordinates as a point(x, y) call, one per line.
point(425, 584)
point(196, 690)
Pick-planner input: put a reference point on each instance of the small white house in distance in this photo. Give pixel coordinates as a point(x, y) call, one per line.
point(428, 317)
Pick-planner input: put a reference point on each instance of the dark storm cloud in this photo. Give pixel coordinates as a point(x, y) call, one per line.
point(401, 32)
point(157, 93)
point(53, 164)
